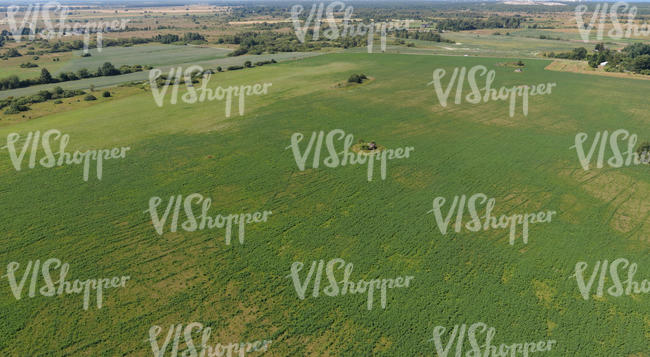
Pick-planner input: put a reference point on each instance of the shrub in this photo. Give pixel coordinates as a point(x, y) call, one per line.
point(87, 54)
point(234, 68)
point(58, 101)
point(357, 78)
point(16, 108)
point(89, 98)
point(354, 79)
point(248, 64)
point(13, 53)
point(106, 94)
point(219, 69)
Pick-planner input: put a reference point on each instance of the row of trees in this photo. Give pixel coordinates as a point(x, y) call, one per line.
point(464, 24)
point(633, 58)
point(189, 37)
point(420, 35)
point(273, 42)
point(107, 69)
point(20, 104)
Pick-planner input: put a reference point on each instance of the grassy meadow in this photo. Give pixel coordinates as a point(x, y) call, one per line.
point(525, 291)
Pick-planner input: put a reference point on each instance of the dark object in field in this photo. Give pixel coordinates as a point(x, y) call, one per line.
point(371, 146)
point(357, 78)
point(106, 94)
point(90, 97)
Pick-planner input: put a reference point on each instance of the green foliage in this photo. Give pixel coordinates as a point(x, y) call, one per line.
point(12, 52)
point(357, 78)
point(464, 24)
point(420, 35)
point(28, 65)
point(107, 69)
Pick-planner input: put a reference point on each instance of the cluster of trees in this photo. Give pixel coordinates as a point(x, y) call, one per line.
point(272, 42)
point(187, 38)
point(17, 105)
point(633, 58)
point(28, 65)
point(357, 78)
point(75, 45)
point(12, 52)
point(464, 24)
point(107, 69)
point(547, 37)
point(419, 35)
point(578, 54)
point(260, 42)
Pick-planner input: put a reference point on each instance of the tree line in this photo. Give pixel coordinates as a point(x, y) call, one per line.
point(633, 58)
point(107, 69)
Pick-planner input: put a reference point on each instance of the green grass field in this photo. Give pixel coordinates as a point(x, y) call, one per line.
point(525, 291)
point(153, 55)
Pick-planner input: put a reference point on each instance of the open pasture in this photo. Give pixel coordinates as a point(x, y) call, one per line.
point(381, 226)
